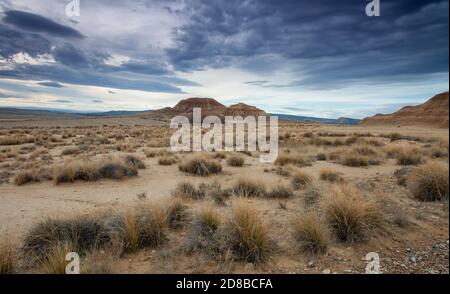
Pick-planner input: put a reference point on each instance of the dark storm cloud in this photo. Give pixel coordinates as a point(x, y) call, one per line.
point(13, 41)
point(327, 41)
point(36, 23)
point(23, 32)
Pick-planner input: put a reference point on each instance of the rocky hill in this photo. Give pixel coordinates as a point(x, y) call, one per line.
point(433, 113)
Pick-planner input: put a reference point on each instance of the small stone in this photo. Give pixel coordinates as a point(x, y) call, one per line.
point(326, 271)
point(311, 264)
point(413, 259)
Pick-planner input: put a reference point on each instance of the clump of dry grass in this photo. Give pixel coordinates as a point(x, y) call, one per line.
point(167, 160)
point(71, 151)
point(409, 156)
point(301, 180)
point(280, 192)
point(295, 159)
point(143, 226)
point(236, 161)
point(201, 234)
point(201, 167)
point(312, 195)
point(310, 234)
point(188, 190)
point(247, 235)
point(16, 140)
point(54, 261)
point(177, 214)
point(134, 161)
point(429, 182)
point(331, 176)
point(8, 258)
point(111, 168)
point(351, 216)
point(28, 176)
point(249, 188)
point(84, 233)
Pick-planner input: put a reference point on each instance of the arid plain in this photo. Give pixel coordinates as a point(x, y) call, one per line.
point(111, 189)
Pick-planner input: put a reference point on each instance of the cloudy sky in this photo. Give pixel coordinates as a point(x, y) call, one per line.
point(317, 58)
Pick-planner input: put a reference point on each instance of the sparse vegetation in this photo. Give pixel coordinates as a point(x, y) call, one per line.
point(236, 161)
point(8, 257)
point(247, 235)
point(249, 188)
point(112, 168)
point(201, 167)
point(177, 214)
point(351, 216)
point(429, 182)
point(280, 192)
point(301, 180)
point(331, 176)
point(188, 190)
point(310, 234)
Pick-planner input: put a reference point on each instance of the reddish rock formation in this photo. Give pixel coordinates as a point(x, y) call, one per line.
point(434, 113)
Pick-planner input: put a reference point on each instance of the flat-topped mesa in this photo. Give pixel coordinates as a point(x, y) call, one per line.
point(208, 106)
point(244, 110)
point(433, 113)
point(211, 107)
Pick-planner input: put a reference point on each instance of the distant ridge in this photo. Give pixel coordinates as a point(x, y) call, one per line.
point(433, 113)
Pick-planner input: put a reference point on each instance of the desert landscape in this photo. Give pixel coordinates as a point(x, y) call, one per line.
point(111, 189)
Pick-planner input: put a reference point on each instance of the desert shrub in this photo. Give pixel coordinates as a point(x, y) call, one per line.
point(219, 155)
point(202, 230)
point(34, 175)
point(402, 175)
point(54, 261)
point(438, 152)
point(8, 257)
point(312, 195)
point(301, 180)
point(247, 235)
point(295, 159)
point(280, 192)
point(249, 188)
point(188, 190)
point(310, 234)
point(141, 227)
point(177, 215)
point(321, 156)
point(134, 162)
point(201, 167)
point(113, 168)
point(350, 216)
point(16, 140)
point(221, 196)
point(167, 160)
point(354, 160)
point(236, 161)
point(71, 151)
point(331, 176)
point(351, 140)
point(409, 156)
point(84, 233)
point(429, 182)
